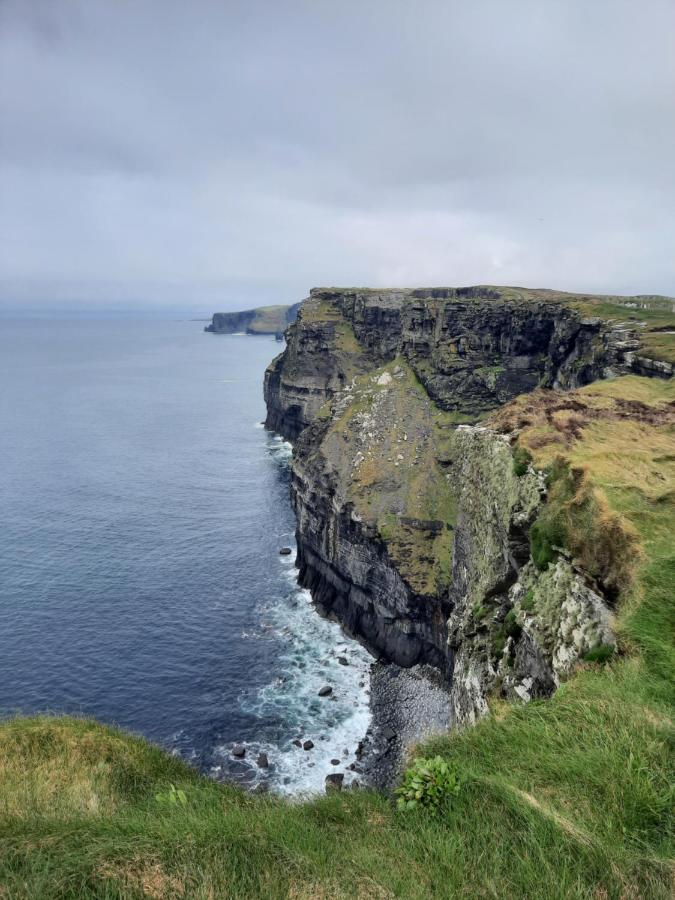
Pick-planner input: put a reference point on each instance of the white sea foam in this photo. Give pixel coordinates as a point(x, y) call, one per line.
point(308, 661)
point(282, 452)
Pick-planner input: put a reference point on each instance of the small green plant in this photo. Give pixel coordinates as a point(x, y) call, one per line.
point(510, 628)
point(173, 797)
point(479, 612)
point(527, 603)
point(428, 783)
point(600, 654)
point(545, 535)
point(387, 527)
point(511, 625)
point(521, 461)
point(498, 642)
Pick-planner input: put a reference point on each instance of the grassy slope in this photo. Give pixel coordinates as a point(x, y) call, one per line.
point(568, 797)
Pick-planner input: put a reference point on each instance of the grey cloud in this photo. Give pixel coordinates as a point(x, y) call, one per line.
point(192, 155)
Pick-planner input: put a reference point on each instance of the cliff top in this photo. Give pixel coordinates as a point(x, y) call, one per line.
point(495, 292)
point(259, 320)
point(652, 316)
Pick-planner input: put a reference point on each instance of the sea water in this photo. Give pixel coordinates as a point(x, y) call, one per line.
point(142, 509)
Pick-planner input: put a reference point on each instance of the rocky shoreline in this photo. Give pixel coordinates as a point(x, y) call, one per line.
point(407, 706)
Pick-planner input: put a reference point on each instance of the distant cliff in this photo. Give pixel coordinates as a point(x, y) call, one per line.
point(414, 521)
point(261, 320)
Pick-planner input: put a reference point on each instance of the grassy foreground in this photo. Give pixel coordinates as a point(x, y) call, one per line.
point(570, 797)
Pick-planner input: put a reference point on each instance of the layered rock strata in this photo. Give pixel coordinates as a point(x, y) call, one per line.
point(412, 521)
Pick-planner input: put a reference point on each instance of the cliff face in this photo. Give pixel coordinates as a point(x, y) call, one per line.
point(262, 320)
point(413, 522)
point(472, 348)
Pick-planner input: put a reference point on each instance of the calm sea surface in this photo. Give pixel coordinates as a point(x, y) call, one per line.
point(142, 508)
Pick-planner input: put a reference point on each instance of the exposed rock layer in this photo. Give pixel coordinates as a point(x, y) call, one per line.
point(412, 528)
point(472, 348)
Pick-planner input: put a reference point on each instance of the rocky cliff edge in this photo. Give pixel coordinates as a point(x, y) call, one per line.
point(435, 519)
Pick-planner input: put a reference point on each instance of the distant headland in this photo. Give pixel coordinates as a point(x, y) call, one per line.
point(261, 320)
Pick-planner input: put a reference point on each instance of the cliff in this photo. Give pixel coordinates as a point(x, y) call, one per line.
point(262, 320)
point(414, 521)
point(502, 549)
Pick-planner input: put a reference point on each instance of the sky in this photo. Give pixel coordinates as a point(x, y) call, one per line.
point(202, 155)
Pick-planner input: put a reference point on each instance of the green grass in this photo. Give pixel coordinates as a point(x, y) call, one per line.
point(506, 833)
point(659, 345)
point(521, 461)
point(564, 798)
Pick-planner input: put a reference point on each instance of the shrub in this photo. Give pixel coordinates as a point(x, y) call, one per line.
point(498, 642)
point(577, 516)
point(600, 654)
point(429, 783)
point(545, 535)
point(521, 461)
point(527, 603)
point(479, 612)
point(511, 626)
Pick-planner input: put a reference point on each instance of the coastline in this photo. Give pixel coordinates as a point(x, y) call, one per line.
point(406, 705)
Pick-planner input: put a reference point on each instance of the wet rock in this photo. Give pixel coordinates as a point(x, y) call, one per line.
point(297, 743)
point(286, 551)
point(343, 660)
point(263, 761)
point(239, 751)
point(334, 781)
point(335, 762)
point(325, 691)
point(308, 745)
point(388, 733)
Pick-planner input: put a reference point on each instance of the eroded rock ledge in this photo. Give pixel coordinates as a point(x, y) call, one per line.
point(412, 520)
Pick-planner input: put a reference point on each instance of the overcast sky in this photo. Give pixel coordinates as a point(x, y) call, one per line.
point(197, 155)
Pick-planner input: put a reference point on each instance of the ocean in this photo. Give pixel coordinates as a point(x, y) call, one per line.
point(142, 509)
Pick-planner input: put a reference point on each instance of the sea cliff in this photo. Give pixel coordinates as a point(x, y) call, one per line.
point(500, 542)
point(261, 320)
point(416, 503)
